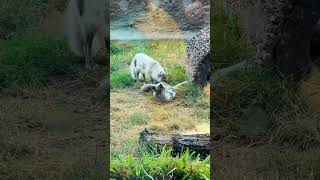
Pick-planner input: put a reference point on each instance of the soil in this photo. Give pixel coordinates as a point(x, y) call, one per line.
point(46, 131)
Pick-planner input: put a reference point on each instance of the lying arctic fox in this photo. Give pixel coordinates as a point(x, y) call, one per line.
point(144, 68)
point(162, 91)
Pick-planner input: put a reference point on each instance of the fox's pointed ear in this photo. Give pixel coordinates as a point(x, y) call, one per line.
point(160, 86)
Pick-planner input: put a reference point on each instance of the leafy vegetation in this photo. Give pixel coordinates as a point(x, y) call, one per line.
point(160, 166)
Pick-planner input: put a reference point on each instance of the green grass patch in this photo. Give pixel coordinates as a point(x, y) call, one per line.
point(229, 47)
point(138, 119)
point(31, 59)
point(116, 49)
point(176, 74)
point(192, 95)
point(17, 16)
point(120, 80)
point(167, 52)
point(160, 166)
point(291, 122)
point(190, 89)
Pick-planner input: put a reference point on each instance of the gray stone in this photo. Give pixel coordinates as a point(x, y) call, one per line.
point(198, 57)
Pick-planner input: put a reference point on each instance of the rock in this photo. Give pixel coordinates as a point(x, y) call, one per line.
point(187, 15)
point(284, 32)
point(198, 57)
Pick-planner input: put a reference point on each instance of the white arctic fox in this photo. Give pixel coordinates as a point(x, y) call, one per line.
point(162, 91)
point(145, 68)
point(85, 21)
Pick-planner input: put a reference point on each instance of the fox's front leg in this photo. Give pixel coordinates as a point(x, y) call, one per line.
point(141, 76)
point(90, 64)
point(136, 76)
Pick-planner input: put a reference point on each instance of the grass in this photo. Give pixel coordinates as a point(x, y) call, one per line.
point(255, 106)
point(32, 59)
point(138, 119)
point(133, 111)
point(19, 16)
point(120, 80)
point(160, 166)
point(230, 48)
point(162, 51)
point(176, 73)
point(29, 60)
point(193, 95)
point(94, 170)
point(278, 99)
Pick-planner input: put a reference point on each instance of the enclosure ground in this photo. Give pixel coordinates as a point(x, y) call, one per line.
point(132, 111)
point(54, 132)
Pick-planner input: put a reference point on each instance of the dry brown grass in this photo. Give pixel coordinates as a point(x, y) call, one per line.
point(167, 117)
point(132, 111)
point(46, 132)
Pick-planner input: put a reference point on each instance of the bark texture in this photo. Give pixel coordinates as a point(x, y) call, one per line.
point(199, 143)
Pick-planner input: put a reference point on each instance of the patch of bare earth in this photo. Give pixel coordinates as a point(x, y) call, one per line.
point(45, 131)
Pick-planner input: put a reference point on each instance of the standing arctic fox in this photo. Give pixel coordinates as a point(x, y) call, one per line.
point(85, 20)
point(145, 68)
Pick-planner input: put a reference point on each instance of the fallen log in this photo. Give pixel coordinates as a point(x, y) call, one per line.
point(198, 143)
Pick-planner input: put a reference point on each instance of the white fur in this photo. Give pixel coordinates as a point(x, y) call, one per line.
point(145, 68)
point(163, 92)
point(92, 21)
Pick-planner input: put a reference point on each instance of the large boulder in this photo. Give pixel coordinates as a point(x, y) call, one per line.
point(198, 57)
point(185, 15)
point(286, 32)
point(289, 25)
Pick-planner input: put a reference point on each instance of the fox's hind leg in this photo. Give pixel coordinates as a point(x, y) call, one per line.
point(90, 64)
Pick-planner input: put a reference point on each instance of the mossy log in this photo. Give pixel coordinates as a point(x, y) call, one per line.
point(198, 143)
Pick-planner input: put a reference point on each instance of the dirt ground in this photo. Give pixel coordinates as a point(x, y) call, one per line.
point(172, 117)
point(235, 157)
point(48, 131)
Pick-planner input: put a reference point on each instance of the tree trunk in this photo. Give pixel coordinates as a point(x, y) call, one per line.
point(198, 143)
